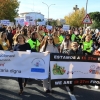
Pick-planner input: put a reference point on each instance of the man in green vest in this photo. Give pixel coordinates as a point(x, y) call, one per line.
point(34, 43)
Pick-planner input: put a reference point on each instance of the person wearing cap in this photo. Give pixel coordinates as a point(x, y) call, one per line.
point(66, 44)
point(34, 43)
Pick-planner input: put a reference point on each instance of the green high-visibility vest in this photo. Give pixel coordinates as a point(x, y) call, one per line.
point(73, 37)
point(81, 41)
point(61, 38)
point(33, 44)
point(87, 46)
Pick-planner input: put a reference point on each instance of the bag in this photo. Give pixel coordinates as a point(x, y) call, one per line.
point(66, 51)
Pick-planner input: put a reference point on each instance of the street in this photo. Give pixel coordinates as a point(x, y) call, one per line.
point(9, 91)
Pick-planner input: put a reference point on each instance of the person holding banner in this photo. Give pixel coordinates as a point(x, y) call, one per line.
point(4, 42)
point(49, 47)
point(21, 46)
point(74, 51)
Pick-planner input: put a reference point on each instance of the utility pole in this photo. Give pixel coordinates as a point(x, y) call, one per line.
point(48, 10)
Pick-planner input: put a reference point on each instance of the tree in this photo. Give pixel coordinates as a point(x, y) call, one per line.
point(75, 18)
point(39, 20)
point(95, 16)
point(52, 23)
point(9, 9)
point(95, 24)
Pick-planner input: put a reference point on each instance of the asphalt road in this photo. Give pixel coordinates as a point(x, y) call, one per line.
point(34, 91)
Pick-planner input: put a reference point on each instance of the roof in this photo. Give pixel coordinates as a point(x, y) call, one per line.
point(31, 12)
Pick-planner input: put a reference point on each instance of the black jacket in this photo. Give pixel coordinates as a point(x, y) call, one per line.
point(78, 52)
point(1, 47)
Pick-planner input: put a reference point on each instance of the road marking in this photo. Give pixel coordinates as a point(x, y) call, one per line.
point(71, 95)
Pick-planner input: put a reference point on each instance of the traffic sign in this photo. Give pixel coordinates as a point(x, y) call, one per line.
point(87, 20)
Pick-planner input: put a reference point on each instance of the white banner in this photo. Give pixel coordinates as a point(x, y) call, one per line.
point(49, 27)
point(5, 22)
point(24, 64)
point(41, 23)
point(74, 70)
point(66, 27)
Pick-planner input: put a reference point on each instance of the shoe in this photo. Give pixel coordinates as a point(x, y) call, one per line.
point(96, 87)
point(24, 84)
point(47, 91)
point(21, 91)
point(72, 92)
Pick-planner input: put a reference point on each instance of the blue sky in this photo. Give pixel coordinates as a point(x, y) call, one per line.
point(60, 9)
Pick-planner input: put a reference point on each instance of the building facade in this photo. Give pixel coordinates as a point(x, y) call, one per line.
point(30, 17)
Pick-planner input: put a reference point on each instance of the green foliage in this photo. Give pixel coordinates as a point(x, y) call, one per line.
point(96, 24)
point(9, 9)
point(75, 18)
point(95, 16)
point(53, 23)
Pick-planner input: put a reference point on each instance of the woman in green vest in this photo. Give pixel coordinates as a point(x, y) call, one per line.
point(87, 46)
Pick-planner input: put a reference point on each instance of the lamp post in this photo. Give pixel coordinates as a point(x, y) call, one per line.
point(86, 12)
point(86, 6)
point(48, 10)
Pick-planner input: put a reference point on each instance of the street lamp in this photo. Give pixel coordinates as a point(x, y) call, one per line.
point(48, 10)
point(86, 6)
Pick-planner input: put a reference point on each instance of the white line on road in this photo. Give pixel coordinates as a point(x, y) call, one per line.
point(70, 94)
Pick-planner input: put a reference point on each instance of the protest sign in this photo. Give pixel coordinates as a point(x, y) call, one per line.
point(74, 70)
point(5, 22)
point(49, 27)
point(24, 64)
point(66, 27)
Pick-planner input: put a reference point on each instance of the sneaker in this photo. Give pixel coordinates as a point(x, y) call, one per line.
point(96, 87)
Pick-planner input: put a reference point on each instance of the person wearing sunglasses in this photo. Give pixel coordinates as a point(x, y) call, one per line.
point(48, 47)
